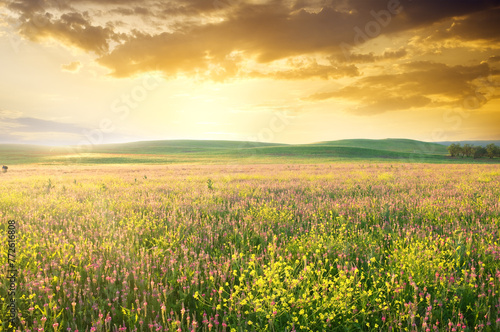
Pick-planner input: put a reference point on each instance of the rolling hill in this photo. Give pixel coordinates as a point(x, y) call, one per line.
point(391, 144)
point(218, 152)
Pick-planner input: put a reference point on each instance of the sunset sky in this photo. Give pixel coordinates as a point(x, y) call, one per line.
point(291, 71)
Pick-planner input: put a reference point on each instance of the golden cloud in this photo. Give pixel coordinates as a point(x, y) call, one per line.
point(419, 84)
point(199, 37)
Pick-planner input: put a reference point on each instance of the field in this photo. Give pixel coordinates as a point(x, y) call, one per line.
point(332, 247)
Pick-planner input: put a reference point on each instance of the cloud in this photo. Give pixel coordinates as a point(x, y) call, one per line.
point(199, 37)
point(132, 11)
point(371, 57)
point(418, 84)
point(72, 67)
point(17, 128)
point(73, 29)
point(483, 25)
point(14, 124)
point(266, 33)
point(29, 124)
point(260, 33)
point(494, 58)
point(8, 114)
point(304, 68)
point(387, 103)
point(316, 71)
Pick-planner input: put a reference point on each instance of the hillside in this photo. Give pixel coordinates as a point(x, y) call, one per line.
point(223, 152)
point(391, 144)
point(178, 146)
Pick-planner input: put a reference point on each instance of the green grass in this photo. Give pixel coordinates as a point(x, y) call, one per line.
point(178, 146)
point(391, 144)
point(224, 152)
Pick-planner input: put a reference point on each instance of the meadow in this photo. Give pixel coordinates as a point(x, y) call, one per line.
point(327, 247)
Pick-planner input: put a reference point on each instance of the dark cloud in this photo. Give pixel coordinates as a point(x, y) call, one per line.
point(423, 12)
point(484, 25)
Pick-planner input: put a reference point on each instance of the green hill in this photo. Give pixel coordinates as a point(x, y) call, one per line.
point(218, 152)
point(26, 154)
point(178, 146)
point(391, 144)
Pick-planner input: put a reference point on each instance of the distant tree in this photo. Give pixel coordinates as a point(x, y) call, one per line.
point(479, 152)
point(492, 150)
point(468, 150)
point(454, 149)
point(450, 149)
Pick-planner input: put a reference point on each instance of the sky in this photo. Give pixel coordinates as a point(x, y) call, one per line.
point(290, 71)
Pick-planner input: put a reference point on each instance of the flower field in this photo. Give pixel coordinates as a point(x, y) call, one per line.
point(341, 247)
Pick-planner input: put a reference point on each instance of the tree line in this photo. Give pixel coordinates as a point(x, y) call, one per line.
point(469, 150)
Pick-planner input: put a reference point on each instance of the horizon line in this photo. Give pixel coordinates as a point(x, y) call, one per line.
point(242, 141)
